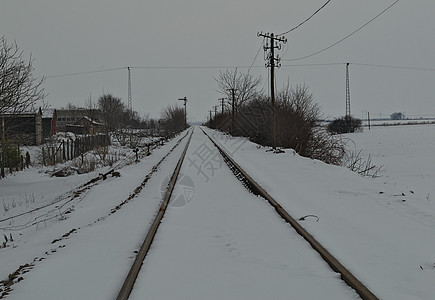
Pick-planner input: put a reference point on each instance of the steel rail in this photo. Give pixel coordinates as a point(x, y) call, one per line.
point(345, 274)
point(80, 188)
point(6, 285)
point(127, 287)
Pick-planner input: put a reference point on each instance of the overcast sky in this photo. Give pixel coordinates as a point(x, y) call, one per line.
point(77, 36)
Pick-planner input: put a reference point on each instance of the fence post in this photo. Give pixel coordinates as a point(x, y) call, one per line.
point(27, 159)
point(63, 151)
point(2, 164)
point(43, 157)
point(53, 153)
point(76, 147)
point(67, 150)
point(73, 155)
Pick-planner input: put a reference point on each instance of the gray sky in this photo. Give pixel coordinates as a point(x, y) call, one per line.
point(77, 36)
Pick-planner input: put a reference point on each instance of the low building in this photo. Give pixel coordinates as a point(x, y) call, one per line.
point(24, 128)
point(85, 125)
point(48, 123)
point(68, 117)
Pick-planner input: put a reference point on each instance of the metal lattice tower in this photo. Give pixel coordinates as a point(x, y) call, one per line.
point(347, 92)
point(130, 107)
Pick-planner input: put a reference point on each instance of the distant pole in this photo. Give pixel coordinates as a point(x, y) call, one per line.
point(233, 94)
point(210, 119)
point(368, 119)
point(347, 91)
point(130, 106)
point(185, 110)
point(215, 113)
point(222, 101)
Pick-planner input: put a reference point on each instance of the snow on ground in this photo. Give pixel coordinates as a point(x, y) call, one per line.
point(382, 229)
point(91, 262)
point(226, 243)
point(406, 154)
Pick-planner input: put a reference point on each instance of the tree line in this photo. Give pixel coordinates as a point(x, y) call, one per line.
point(249, 113)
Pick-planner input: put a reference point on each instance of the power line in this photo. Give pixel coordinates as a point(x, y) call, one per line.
point(255, 58)
point(158, 67)
point(315, 65)
point(395, 67)
point(85, 72)
point(294, 28)
point(410, 68)
point(347, 36)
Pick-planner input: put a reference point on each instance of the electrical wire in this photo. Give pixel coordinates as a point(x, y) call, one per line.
point(156, 67)
point(395, 67)
point(347, 36)
point(85, 72)
point(194, 67)
point(258, 66)
point(314, 65)
point(296, 27)
point(255, 58)
point(363, 65)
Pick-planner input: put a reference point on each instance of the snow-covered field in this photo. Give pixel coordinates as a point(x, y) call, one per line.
point(382, 229)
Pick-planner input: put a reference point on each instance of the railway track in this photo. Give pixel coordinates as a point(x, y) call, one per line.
point(50, 212)
point(333, 262)
point(256, 189)
point(127, 287)
point(62, 203)
point(224, 239)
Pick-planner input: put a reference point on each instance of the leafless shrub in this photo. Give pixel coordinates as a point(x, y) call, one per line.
point(101, 153)
point(173, 119)
point(354, 161)
point(326, 147)
point(127, 137)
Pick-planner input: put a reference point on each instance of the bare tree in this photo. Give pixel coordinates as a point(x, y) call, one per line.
point(172, 118)
point(112, 111)
point(93, 110)
point(245, 85)
point(19, 90)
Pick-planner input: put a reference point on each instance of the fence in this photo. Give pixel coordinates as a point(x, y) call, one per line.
point(12, 160)
point(69, 149)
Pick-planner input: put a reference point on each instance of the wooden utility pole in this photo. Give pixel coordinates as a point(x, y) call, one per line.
point(185, 110)
point(210, 119)
point(273, 43)
point(347, 92)
point(233, 103)
point(222, 101)
point(368, 119)
point(215, 113)
point(129, 105)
